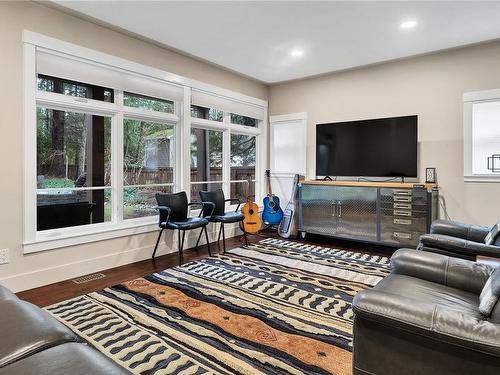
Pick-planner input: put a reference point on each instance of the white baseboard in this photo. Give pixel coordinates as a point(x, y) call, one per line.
point(33, 279)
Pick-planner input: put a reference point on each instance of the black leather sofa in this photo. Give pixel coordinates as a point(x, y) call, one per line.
point(32, 342)
point(461, 240)
point(433, 314)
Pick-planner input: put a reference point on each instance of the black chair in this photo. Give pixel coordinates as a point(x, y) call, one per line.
point(219, 215)
point(174, 215)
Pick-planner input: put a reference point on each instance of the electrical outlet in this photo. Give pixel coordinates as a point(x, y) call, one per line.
point(4, 256)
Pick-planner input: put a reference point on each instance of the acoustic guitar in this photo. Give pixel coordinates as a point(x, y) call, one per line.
point(272, 213)
point(288, 226)
point(252, 222)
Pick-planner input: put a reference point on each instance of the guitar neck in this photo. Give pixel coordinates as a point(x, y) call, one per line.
point(270, 191)
point(250, 195)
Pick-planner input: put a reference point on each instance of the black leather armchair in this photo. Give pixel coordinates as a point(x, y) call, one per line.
point(32, 342)
point(429, 317)
point(461, 240)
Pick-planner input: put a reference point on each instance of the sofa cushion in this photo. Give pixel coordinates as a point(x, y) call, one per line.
point(493, 236)
point(490, 294)
point(431, 293)
point(6, 294)
point(71, 358)
point(26, 329)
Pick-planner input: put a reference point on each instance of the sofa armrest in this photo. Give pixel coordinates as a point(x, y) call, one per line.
point(454, 272)
point(458, 245)
point(471, 232)
point(446, 325)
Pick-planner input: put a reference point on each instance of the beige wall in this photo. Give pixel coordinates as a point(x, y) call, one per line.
point(429, 86)
point(49, 266)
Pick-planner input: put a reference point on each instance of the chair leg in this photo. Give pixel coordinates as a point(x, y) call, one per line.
point(218, 238)
point(157, 242)
point(208, 242)
point(223, 240)
point(199, 237)
point(245, 237)
point(181, 244)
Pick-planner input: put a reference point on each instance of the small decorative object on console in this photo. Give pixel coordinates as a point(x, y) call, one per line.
point(494, 163)
point(430, 175)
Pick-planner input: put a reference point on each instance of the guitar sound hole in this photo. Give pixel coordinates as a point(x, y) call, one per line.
point(250, 212)
point(271, 204)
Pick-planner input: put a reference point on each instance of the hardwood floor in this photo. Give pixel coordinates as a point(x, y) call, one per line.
point(57, 292)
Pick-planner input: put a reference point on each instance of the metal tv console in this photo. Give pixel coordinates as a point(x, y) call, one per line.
point(385, 213)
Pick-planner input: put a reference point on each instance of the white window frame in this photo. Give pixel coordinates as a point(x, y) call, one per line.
point(227, 128)
point(51, 239)
point(469, 99)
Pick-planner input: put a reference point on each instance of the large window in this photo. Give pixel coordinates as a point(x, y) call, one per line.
point(223, 153)
point(482, 135)
point(73, 168)
point(75, 177)
point(104, 136)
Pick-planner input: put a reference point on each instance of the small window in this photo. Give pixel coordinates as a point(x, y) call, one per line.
point(72, 88)
point(486, 138)
point(206, 155)
point(141, 201)
point(206, 113)
point(243, 152)
point(244, 120)
point(148, 165)
point(149, 103)
point(206, 161)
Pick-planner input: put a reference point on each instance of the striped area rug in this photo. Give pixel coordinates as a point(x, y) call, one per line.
point(275, 307)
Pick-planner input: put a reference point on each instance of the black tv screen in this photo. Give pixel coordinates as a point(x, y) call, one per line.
point(385, 147)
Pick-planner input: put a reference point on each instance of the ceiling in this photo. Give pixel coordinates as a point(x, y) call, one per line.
point(257, 38)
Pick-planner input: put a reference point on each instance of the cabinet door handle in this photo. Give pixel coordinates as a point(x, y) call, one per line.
point(339, 203)
point(334, 209)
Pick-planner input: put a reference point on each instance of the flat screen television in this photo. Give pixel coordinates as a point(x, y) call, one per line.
point(384, 147)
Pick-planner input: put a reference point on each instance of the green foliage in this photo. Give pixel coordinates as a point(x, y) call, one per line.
point(243, 120)
point(135, 135)
point(152, 104)
point(131, 196)
point(59, 183)
point(242, 150)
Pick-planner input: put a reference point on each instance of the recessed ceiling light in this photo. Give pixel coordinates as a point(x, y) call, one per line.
point(297, 52)
point(408, 24)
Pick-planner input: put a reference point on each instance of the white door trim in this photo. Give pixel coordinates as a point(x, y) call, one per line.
point(301, 119)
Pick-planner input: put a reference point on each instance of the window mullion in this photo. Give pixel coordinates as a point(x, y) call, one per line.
point(184, 144)
point(117, 160)
point(226, 156)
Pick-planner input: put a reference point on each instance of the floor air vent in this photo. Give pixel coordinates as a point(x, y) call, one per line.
point(89, 278)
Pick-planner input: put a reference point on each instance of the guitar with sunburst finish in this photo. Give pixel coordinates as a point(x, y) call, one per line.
point(252, 222)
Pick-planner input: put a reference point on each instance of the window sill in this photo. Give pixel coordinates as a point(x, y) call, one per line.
point(55, 239)
point(482, 178)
